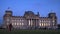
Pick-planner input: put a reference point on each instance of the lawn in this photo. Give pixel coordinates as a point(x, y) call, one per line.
point(30, 32)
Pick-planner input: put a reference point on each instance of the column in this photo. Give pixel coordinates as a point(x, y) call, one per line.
point(29, 22)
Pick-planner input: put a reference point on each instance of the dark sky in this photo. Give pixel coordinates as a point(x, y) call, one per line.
point(20, 6)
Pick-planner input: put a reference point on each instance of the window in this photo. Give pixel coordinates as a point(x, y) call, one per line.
point(17, 23)
point(12, 23)
point(53, 20)
point(44, 20)
point(40, 21)
point(20, 19)
point(39, 24)
point(46, 24)
point(7, 19)
point(7, 23)
point(49, 24)
point(49, 21)
point(15, 19)
point(42, 24)
point(53, 23)
point(31, 24)
point(20, 23)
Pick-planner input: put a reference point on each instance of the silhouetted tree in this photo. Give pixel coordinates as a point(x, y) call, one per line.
point(58, 26)
point(10, 27)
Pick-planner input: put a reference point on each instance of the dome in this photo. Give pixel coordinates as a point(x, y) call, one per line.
point(29, 12)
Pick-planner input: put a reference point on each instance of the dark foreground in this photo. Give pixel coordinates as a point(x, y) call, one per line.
point(30, 31)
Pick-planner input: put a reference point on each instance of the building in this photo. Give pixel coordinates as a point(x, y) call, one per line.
point(30, 20)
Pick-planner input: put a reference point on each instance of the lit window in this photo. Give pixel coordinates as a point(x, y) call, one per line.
point(42, 24)
point(39, 24)
point(53, 21)
point(7, 23)
point(12, 23)
point(42, 20)
point(17, 23)
point(49, 24)
point(46, 24)
point(20, 23)
point(7, 19)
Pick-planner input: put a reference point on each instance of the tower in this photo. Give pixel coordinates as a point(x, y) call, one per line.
point(8, 12)
point(38, 14)
point(53, 18)
point(7, 17)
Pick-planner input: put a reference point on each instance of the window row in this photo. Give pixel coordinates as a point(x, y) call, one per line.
point(44, 24)
point(44, 21)
point(18, 24)
point(17, 20)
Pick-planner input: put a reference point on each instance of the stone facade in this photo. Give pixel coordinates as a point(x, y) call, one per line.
point(30, 20)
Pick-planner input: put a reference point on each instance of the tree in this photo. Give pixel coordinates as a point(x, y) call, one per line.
point(10, 27)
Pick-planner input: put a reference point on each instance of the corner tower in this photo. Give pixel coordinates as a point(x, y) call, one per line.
point(53, 18)
point(7, 16)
